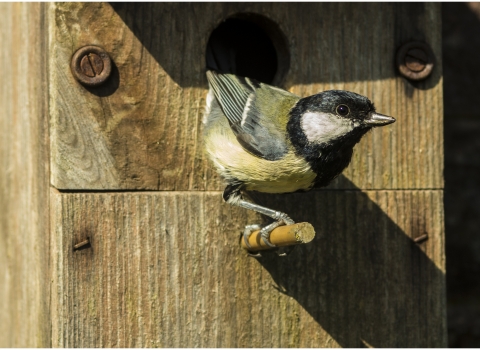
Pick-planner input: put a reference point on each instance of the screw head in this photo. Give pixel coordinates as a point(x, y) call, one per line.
point(415, 60)
point(91, 65)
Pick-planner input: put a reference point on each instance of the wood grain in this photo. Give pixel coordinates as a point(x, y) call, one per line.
point(143, 131)
point(24, 181)
point(166, 270)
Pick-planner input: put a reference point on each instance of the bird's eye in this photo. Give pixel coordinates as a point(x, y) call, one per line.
point(343, 110)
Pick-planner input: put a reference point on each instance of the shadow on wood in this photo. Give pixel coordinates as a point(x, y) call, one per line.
point(166, 269)
point(363, 279)
point(169, 41)
point(144, 131)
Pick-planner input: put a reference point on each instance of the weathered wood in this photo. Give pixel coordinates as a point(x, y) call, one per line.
point(282, 236)
point(165, 269)
point(24, 187)
point(143, 129)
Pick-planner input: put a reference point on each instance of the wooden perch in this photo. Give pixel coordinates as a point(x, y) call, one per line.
point(282, 236)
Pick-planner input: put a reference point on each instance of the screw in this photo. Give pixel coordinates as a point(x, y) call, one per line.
point(415, 60)
point(421, 239)
point(82, 245)
point(91, 65)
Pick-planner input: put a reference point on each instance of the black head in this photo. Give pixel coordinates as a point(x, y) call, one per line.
point(347, 105)
point(335, 114)
point(325, 127)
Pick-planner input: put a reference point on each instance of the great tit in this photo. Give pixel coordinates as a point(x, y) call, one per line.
point(262, 138)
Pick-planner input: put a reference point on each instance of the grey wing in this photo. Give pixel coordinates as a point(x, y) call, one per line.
point(238, 101)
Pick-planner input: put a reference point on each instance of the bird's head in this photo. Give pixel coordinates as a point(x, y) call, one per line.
point(335, 115)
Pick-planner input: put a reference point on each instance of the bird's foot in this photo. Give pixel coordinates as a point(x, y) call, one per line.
point(284, 218)
point(265, 232)
point(246, 235)
point(248, 232)
point(281, 219)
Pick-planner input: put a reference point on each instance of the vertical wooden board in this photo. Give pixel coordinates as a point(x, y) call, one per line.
point(24, 183)
point(143, 129)
point(165, 269)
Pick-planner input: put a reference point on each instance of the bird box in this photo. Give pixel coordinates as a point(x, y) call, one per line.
point(115, 232)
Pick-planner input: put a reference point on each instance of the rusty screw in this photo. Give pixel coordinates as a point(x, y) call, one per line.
point(415, 60)
point(91, 65)
point(421, 239)
point(82, 245)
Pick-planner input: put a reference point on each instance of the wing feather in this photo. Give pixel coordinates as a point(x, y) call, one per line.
point(259, 127)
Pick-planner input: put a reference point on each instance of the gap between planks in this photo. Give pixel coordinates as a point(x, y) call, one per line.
point(64, 191)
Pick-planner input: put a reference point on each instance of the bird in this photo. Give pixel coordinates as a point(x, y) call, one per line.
point(262, 138)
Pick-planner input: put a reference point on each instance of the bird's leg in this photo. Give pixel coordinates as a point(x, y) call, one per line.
point(233, 196)
point(281, 219)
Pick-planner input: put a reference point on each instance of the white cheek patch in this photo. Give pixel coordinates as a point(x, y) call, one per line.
point(324, 127)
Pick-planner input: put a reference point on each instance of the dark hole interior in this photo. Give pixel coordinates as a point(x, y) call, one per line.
point(243, 48)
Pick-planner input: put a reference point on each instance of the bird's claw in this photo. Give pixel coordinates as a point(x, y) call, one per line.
point(265, 233)
point(282, 219)
point(248, 232)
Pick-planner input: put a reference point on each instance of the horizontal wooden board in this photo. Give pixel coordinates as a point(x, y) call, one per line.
point(143, 130)
point(166, 270)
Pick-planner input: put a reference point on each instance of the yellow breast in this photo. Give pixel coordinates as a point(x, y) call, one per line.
point(288, 174)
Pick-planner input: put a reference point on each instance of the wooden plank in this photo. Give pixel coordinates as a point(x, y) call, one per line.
point(143, 129)
point(166, 270)
point(24, 185)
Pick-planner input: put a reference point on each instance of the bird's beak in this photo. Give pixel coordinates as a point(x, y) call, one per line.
point(376, 119)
